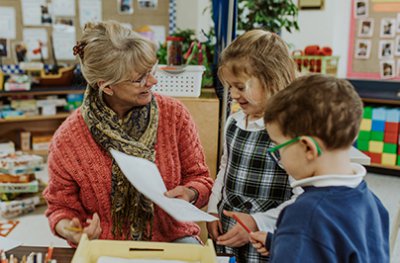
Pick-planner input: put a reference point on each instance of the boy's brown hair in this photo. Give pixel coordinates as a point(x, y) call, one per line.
point(318, 105)
point(261, 54)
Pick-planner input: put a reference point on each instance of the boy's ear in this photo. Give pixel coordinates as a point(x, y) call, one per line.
point(310, 148)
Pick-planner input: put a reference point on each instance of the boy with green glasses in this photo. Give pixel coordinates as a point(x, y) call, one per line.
point(314, 122)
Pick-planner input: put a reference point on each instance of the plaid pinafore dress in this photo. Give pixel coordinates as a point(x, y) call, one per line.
point(253, 183)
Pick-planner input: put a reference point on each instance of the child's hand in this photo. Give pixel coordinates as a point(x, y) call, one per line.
point(237, 235)
point(214, 228)
point(257, 239)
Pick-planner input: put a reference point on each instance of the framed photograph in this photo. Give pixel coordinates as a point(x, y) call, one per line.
point(363, 49)
point(386, 49)
point(148, 4)
point(20, 52)
point(125, 7)
point(45, 17)
point(311, 4)
point(388, 29)
point(366, 28)
point(4, 47)
point(397, 46)
point(68, 21)
point(361, 8)
point(387, 69)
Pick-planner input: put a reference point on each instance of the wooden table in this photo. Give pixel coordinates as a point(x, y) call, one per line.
point(61, 254)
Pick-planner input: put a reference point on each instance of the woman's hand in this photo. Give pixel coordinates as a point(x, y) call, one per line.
point(237, 235)
point(182, 192)
point(214, 228)
point(72, 230)
point(257, 239)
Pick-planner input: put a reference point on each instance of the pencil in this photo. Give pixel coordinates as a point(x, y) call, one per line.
point(73, 229)
point(241, 223)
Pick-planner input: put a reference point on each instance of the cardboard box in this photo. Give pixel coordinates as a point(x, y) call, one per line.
point(89, 251)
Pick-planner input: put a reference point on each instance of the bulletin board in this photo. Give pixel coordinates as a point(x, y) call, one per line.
point(138, 14)
point(374, 41)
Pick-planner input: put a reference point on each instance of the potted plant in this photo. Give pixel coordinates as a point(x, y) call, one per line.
point(271, 15)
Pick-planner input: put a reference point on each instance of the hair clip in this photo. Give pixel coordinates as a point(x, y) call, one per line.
point(78, 49)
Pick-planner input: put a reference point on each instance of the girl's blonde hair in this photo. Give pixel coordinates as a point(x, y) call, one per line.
point(112, 52)
point(261, 54)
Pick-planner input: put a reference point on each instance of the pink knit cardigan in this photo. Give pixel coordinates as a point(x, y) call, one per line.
point(80, 171)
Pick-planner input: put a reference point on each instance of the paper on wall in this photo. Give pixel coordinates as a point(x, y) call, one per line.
point(105, 259)
point(32, 12)
point(31, 37)
point(89, 11)
point(7, 23)
point(64, 7)
point(146, 178)
point(63, 41)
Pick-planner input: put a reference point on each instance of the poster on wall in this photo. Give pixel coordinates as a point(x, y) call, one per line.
point(148, 4)
point(4, 47)
point(125, 7)
point(374, 42)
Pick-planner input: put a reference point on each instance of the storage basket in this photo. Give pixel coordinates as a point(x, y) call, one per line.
point(89, 251)
point(179, 81)
point(317, 64)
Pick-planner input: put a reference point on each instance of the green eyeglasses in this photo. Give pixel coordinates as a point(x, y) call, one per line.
point(274, 151)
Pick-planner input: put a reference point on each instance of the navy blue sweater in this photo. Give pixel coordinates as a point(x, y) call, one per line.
point(332, 224)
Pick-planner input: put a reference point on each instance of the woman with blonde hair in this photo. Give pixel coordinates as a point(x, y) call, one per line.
point(87, 189)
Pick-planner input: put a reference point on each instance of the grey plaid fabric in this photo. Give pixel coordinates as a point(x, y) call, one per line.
point(253, 183)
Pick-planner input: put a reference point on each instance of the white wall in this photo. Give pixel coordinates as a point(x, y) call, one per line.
point(189, 15)
point(327, 27)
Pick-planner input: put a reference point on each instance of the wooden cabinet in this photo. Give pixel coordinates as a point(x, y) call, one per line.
point(205, 112)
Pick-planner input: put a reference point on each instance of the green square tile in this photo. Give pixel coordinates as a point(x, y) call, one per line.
point(390, 148)
point(363, 145)
point(364, 135)
point(377, 136)
point(367, 113)
point(398, 160)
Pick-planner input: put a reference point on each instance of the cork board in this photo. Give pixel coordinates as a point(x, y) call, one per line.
point(374, 41)
point(140, 17)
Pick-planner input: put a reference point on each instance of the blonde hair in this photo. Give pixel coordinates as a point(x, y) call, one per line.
point(112, 52)
point(261, 54)
point(318, 105)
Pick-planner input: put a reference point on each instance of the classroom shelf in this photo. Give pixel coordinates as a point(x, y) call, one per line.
point(57, 116)
point(61, 90)
point(383, 92)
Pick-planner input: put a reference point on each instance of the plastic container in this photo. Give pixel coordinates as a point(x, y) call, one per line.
point(317, 64)
point(179, 81)
point(174, 51)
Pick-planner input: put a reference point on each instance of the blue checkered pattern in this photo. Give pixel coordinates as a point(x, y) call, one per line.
point(172, 16)
point(15, 69)
point(11, 69)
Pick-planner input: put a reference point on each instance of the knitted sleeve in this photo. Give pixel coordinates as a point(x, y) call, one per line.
point(195, 171)
point(62, 192)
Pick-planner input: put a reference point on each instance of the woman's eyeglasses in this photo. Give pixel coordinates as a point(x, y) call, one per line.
point(143, 80)
point(274, 151)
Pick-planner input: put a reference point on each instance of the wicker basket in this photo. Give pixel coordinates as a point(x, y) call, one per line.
point(179, 81)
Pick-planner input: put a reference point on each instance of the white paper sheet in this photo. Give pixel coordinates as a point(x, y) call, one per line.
point(31, 37)
point(159, 34)
point(64, 7)
point(64, 40)
point(146, 178)
point(7, 23)
point(31, 12)
point(89, 11)
point(8, 244)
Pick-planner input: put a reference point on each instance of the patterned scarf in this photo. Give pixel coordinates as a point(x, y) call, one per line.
point(135, 135)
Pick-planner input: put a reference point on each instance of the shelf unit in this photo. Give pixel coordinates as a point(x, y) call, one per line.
point(382, 93)
point(10, 128)
point(204, 110)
